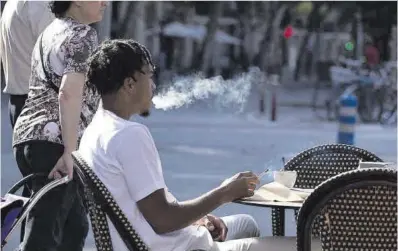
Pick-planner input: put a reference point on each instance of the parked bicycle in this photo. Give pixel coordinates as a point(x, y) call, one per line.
point(389, 116)
point(368, 85)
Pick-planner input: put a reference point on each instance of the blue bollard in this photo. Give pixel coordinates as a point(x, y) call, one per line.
point(347, 119)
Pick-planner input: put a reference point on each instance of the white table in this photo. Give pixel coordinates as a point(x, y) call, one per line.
point(280, 204)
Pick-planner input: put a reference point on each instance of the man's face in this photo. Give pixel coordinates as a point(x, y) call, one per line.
point(144, 89)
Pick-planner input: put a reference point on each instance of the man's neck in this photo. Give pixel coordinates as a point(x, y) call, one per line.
point(111, 104)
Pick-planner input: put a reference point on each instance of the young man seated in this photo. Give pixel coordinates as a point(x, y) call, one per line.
point(123, 155)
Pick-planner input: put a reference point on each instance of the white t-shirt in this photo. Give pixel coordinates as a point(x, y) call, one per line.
point(20, 26)
point(124, 157)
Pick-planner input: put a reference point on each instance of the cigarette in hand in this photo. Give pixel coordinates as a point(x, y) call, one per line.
point(262, 174)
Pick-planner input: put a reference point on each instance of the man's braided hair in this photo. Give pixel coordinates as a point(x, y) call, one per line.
point(114, 61)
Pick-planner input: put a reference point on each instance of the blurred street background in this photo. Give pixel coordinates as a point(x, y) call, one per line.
point(310, 54)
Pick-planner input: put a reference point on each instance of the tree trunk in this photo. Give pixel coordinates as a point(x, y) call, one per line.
point(393, 44)
point(245, 53)
point(285, 52)
point(354, 35)
point(125, 10)
point(313, 20)
point(158, 9)
point(203, 61)
point(261, 57)
point(249, 31)
point(359, 48)
point(275, 35)
point(186, 56)
point(104, 27)
point(316, 53)
point(137, 24)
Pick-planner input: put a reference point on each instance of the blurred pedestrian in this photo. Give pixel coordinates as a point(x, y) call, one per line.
point(58, 109)
point(21, 24)
point(372, 55)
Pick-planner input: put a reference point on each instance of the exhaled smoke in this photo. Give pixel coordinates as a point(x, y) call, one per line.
point(186, 90)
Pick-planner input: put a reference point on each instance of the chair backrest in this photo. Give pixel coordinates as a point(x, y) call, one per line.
point(317, 164)
point(100, 203)
point(357, 209)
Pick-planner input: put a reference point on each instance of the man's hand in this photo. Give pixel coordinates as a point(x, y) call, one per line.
point(240, 185)
point(63, 167)
point(215, 225)
point(219, 229)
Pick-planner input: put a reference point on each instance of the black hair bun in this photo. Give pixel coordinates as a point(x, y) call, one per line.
point(59, 8)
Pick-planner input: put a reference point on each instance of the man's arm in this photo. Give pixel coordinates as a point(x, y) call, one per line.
point(166, 217)
point(141, 167)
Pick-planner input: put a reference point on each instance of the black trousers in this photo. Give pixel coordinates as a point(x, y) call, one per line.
point(15, 105)
point(59, 221)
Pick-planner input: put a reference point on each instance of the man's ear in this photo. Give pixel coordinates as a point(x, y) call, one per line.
point(128, 84)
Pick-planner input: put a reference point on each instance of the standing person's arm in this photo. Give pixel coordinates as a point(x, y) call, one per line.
point(70, 106)
point(70, 96)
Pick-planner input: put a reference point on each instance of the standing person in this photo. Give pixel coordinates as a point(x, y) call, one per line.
point(372, 55)
point(20, 26)
point(58, 108)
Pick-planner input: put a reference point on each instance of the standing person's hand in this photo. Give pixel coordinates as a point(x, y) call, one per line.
point(63, 167)
point(240, 185)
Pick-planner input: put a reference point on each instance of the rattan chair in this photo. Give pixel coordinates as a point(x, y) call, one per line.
point(316, 165)
point(100, 203)
point(357, 211)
